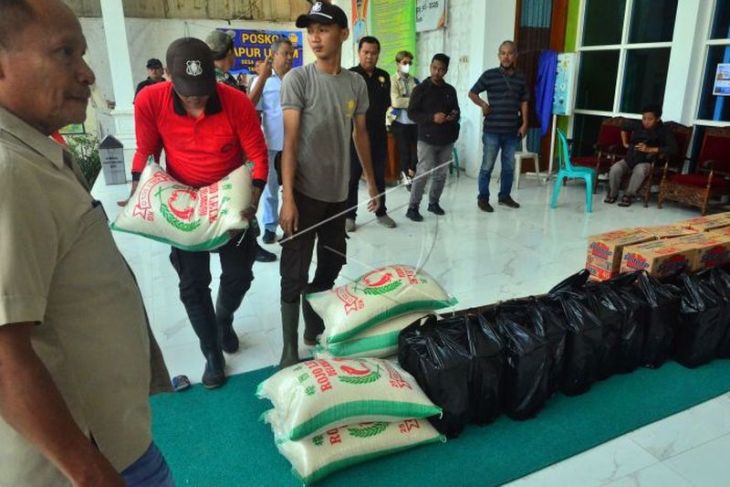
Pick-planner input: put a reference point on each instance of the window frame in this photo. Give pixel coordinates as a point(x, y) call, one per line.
point(707, 43)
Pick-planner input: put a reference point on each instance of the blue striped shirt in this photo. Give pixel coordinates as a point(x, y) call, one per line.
point(505, 94)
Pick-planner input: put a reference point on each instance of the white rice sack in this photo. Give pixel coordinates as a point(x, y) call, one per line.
point(379, 341)
point(318, 395)
point(375, 297)
point(190, 219)
point(322, 454)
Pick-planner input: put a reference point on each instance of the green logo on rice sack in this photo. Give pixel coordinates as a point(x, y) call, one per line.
point(367, 430)
point(359, 376)
point(178, 209)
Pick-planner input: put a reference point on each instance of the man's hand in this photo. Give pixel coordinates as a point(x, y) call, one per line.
point(289, 217)
point(439, 117)
point(265, 69)
point(374, 202)
point(98, 471)
point(486, 109)
point(522, 130)
point(642, 147)
point(123, 203)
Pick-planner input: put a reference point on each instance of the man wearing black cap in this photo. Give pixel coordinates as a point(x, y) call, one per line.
point(320, 102)
point(154, 74)
point(207, 130)
point(221, 45)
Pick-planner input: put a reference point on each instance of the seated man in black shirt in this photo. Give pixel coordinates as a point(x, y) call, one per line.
point(649, 139)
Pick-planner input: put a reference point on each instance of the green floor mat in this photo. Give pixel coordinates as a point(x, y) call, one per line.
point(214, 438)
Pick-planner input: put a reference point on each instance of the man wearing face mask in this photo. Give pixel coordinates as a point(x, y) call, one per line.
point(404, 129)
point(207, 130)
point(378, 83)
point(505, 122)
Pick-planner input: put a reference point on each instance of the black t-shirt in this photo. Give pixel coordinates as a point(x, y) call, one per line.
point(145, 83)
point(378, 84)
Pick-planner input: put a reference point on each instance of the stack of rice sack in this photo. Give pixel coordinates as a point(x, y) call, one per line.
point(364, 318)
point(331, 414)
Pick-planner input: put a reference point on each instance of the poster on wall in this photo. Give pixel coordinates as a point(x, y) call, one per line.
point(564, 83)
point(251, 46)
point(430, 15)
point(359, 19)
point(393, 23)
point(722, 80)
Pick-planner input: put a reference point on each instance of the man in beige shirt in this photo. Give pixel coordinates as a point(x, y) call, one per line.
point(74, 340)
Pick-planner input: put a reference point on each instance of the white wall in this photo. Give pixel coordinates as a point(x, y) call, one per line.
point(475, 28)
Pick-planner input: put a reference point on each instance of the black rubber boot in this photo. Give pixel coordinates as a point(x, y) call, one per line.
point(224, 320)
point(313, 324)
point(214, 374)
point(289, 326)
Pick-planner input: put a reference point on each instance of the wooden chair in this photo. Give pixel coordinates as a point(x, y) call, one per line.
point(682, 136)
point(608, 148)
point(710, 176)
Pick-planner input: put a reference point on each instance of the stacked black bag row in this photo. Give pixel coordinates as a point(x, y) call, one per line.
point(511, 357)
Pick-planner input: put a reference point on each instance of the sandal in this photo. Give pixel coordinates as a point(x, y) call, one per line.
point(610, 199)
point(625, 201)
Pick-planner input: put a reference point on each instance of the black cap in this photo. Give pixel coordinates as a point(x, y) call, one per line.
point(323, 13)
point(154, 63)
point(190, 64)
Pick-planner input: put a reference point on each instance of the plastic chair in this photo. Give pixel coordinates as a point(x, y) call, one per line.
point(525, 154)
point(567, 170)
point(454, 163)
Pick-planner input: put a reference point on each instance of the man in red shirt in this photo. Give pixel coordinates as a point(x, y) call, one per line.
point(207, 130)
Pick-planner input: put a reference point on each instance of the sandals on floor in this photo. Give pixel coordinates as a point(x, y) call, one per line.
point(610, 199)
point(625, 201)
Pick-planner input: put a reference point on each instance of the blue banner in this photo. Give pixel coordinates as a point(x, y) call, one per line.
point(251, 46)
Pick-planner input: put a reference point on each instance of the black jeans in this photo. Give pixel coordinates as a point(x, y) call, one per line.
point(296, 253)
point(379, 154)
point(406, 138)
point(193, 269)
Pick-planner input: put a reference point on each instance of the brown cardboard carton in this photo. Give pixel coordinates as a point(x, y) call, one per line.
point(712, 249)
point(597, 271)
point(669, 231)
point(707, 223)
point(660, 258)
point(604, 250)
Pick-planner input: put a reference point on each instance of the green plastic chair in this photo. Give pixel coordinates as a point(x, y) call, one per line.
point(454, 164)
point(567, 170)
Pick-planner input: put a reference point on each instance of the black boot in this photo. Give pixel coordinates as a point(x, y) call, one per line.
point(224, 320)
point(313, 324)
point(289, 326)
point(214, 375)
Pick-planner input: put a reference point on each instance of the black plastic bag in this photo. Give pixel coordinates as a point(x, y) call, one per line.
point(609, 307)
point(699, 331)
point(575, 282)
point(440, 363)
point(526, 373)
point(583, 346)
point(543, 320)
point(487, 365)
point(719, 279)
point(662, 318)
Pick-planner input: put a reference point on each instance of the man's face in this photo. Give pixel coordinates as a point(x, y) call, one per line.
point(326, 39)
point(649, 120)
point(44, 79)
point(438, 71)
point(368, 54)
point(155, 74)
point(507, 56)
point(283, 58)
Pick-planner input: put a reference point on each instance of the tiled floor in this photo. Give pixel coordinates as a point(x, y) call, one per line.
point(480, 258)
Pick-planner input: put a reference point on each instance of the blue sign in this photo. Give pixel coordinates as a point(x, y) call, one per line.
point(251, 46)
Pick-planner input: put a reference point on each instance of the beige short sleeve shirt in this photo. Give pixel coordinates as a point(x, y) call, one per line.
point(60, 268)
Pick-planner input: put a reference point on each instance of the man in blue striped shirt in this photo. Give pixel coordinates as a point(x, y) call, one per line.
point(505, 122)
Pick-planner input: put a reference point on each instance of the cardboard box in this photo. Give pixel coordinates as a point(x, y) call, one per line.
point(712, 249)
point(669, 231)
point(604, 250)
point(660, 258)
point(707, 223)
point(598, 273)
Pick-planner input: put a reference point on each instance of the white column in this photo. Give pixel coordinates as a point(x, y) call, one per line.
point(122, 83)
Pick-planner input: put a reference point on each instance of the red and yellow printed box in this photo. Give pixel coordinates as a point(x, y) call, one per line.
point(659, 258)
point(603, 258)
point(707, 223)
point(712, 249)
point(669, 231)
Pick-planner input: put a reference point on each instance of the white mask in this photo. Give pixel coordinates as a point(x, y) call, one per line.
point(405, 68)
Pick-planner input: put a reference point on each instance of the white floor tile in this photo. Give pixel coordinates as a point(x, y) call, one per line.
point(706, 465)
point(658, 475)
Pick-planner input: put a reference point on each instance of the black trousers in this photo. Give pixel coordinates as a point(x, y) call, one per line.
point(379, 154)
point(193, 269)
point(296, 254)
point(406, 138)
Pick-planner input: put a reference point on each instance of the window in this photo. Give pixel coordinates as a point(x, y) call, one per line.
point(624, 55)
point(716, 108)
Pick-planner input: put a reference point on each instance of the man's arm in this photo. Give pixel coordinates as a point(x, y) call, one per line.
point(523, 128)
point(289, 214)
point(257, 88)
point(362, 147)
point(32, 405)
point(476, 90)
point(253, 144)
point(416, 111)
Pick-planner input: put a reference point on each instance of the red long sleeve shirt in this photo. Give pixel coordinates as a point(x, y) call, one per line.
point(199, 151)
